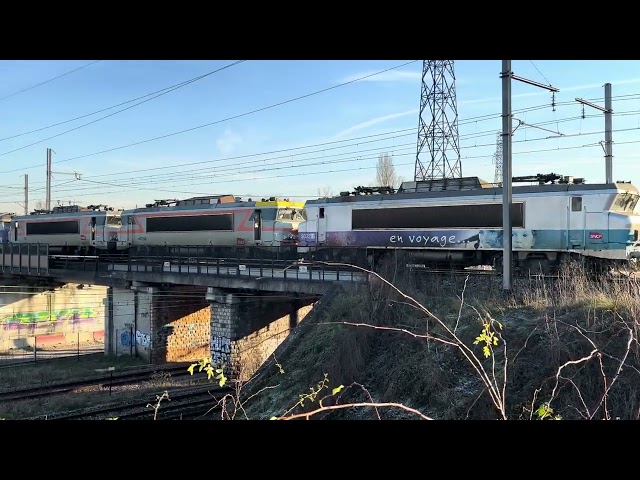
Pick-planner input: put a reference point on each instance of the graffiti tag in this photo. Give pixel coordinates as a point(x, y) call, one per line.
point(220, 349)
point(45, 317)
point(143, 339)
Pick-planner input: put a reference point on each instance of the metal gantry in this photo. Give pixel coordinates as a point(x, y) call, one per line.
point(438, 123)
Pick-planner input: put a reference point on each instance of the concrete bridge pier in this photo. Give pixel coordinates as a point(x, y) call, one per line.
point(186, 323)
point(158, 323)
point(247, 328)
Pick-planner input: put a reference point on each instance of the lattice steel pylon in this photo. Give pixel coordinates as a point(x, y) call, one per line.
point(497, 160)
point(440, 131)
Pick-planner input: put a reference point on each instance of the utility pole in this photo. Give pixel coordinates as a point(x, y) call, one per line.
point(26, 194)
point(48, 196)
point(507, 178)
point(608, 143)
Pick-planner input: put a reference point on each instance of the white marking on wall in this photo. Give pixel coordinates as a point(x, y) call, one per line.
point(143, 339)
point(220, 349)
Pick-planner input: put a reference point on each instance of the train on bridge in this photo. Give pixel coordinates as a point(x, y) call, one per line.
point(210, 221)
point(446, 222)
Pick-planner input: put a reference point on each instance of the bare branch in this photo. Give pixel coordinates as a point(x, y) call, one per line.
point(525, 343)
point(617, 374)
point(310, 414)
point(566, 364)
point(464, 288)
point(579, 396)
point(370, 398)
point(393, 329)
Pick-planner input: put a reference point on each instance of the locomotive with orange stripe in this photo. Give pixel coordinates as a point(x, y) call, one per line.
point(215, 221)
point(212, 221)
point(69, 229)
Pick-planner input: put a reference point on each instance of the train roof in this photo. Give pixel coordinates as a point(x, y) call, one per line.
point(471, 187)
point(69, 210)
point(214, 202)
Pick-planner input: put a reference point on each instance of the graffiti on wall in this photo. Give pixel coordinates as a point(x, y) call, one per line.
point(220, 350)
point(142, 339)
point(50, 319)
point(126, 338)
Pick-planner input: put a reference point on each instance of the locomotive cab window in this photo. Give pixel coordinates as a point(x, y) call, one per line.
point(321, 212)
point(576, 204)
point(291, 214)
point(625, 202)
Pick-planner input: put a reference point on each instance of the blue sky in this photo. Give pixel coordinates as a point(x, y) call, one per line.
point(281, 145)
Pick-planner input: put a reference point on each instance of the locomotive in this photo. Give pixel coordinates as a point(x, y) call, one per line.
point(165, 225)
point(458, 222)
point(68, 229)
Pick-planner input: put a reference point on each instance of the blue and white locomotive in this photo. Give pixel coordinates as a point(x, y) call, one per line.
point(458, 222)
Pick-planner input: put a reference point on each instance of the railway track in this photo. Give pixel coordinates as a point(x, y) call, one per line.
point(103, 380)
point(181, 404)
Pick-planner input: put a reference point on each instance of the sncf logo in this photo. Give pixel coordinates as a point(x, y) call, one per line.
point(595, 236)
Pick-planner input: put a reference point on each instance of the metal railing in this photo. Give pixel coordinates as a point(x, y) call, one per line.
point(17, 349)
point(24, 258)
point(253, 262)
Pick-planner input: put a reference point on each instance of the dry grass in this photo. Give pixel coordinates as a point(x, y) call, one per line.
point(546, 323)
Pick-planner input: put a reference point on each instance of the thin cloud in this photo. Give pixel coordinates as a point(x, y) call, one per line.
point(375, 121)
point(227, 142)
point(390, 76)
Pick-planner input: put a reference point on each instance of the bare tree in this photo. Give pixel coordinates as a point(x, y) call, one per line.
point(385, 171)
point(325, 192)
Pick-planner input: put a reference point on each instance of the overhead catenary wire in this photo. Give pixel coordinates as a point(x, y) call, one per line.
point(177, 85)
point(230, 170)
point(261, 109)
point(49, 80)
point(328, 146)
point(184, 84)
point(274, 105)
point(491, 132)
point(490, 156)
point(191, 192)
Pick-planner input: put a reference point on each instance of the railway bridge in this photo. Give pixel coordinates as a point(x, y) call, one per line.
point(169, 308)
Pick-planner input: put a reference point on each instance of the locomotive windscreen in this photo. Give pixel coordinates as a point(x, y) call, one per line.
point(53, 228)
point(449, 216)
point(195, 223)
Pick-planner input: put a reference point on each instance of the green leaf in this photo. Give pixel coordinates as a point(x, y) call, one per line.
point(486, 351)
point(190, 369)
point(337, 389)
